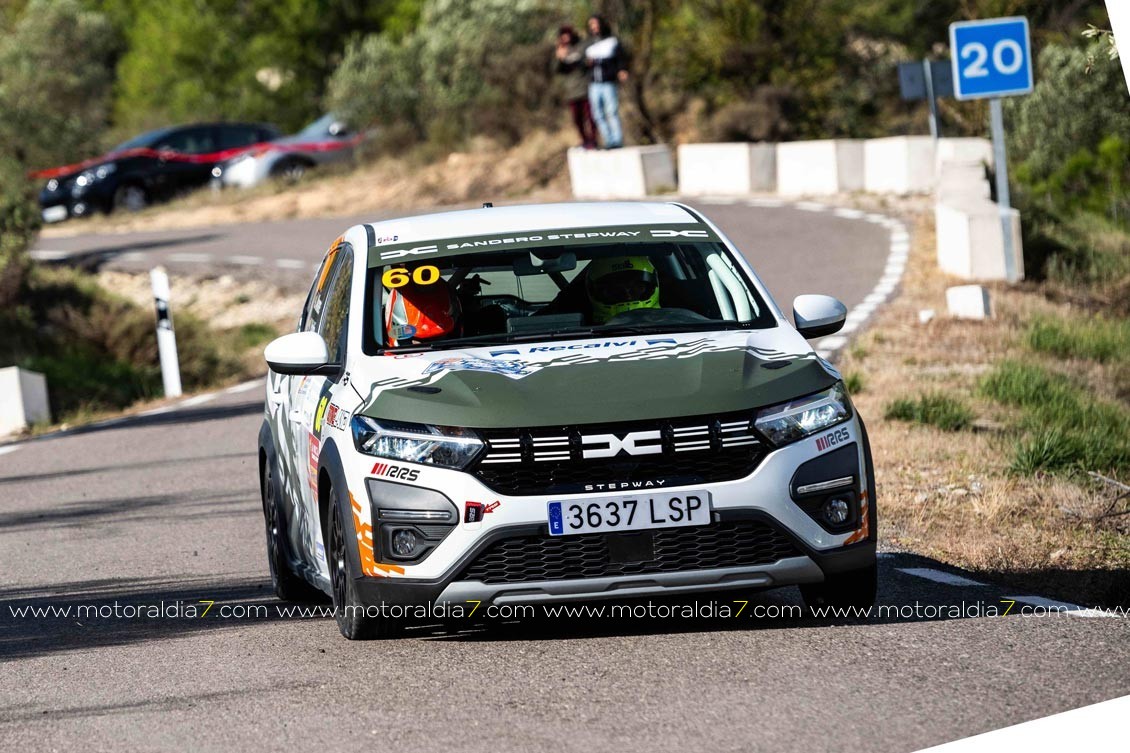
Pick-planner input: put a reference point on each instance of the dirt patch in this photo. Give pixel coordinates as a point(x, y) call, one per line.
point(534, 170)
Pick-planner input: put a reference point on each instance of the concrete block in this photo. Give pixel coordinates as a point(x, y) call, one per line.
point(964, 149)
point(970, 239)
point(899, 165)
point(23, 399)
point(968, 302)
point(727, 169)
point(962, 181)
point(815, 168)
point(631, 172)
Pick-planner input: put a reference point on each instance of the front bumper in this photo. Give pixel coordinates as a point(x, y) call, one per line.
point(763, 497)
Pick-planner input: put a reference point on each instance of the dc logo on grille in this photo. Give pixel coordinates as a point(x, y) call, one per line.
point(610, 445)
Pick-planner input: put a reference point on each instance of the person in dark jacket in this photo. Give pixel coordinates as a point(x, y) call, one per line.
point(569, 65)
point(607, 63)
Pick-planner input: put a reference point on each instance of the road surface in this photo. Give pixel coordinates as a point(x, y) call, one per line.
point(160, 513)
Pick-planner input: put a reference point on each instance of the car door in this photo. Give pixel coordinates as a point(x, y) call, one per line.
point(183, 158)
point(311, 395)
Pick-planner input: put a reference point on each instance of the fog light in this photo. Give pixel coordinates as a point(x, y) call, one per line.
point(79, 209)
point(836, 511)
point(403, 542)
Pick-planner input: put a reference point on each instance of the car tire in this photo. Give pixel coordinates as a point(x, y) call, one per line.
point(288, 586)
point(290, 170)
point(854, 589)
point(130, 197)
point(349, 611)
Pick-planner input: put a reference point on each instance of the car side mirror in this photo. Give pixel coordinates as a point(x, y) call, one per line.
point(300, 353)
point(337, 128)
point(818, 315)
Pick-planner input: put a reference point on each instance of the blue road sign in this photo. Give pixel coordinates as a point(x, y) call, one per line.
point(991, 58)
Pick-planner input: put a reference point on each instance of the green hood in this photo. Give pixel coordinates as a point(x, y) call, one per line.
point(628, 390)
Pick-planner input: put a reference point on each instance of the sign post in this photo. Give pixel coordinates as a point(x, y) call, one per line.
point(993, 59)
point(166, 337)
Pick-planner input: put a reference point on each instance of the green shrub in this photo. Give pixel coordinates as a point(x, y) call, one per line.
point(854, 382)
point(934, 409)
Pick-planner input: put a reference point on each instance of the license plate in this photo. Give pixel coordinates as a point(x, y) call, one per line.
point(629, 513)
point(56, 213)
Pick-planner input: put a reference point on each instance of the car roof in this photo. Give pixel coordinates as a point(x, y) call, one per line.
point(528, 218)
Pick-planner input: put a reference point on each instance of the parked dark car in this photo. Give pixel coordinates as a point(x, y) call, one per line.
point(145, 169)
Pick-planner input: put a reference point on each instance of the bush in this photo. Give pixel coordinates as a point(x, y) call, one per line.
point(934, 409)
point(470, 67)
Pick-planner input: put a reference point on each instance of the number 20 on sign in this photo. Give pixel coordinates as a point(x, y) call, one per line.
point(991, 58)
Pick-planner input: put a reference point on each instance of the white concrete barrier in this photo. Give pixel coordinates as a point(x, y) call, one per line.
point(631, 172)
point(970, 240)
point(815, 168)
point(959, 181)
point(23, 399)
point(964, 149)
point(899, 165)
point(727, 169)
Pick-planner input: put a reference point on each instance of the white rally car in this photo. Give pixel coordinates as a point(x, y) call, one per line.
point(554, 403)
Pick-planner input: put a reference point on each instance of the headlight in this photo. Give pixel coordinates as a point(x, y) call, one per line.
point(53, 185)
point(450, 447)
point(84, 180)
point(796, 419)
point(102, 171)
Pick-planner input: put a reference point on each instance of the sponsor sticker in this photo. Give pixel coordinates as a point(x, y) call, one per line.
point(393, 471)
point(832, 439)
point(474, 363)
point(475, 511)
point(337, 417)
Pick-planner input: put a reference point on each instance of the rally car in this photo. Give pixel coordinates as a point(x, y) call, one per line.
point(556, 403)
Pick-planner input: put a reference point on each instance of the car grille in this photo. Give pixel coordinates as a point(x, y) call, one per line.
point(679, 451)
point(534, 558)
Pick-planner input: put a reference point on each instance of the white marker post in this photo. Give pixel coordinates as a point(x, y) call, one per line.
point(166, 337)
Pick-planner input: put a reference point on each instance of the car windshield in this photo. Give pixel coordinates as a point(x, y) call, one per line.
point(543, 290)
point(146, 139)
point(319, 127)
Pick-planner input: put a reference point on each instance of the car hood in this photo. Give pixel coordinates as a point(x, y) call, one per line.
point(593, 381)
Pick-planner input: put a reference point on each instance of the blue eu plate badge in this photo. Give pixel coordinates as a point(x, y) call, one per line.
point(556, 525)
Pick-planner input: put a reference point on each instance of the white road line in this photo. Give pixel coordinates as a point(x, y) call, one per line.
point(810, 206)
point(719, 200)
point(130, 256)
point(765, 202)
point(43, 254)
point(198, 400)
point(156, 411)
point(1059, 606)
point(9, 448)
point(244, 387)
point(940, 576)
point(848, 214)
point(190, 258)
point(247, 261)
point(290, 263)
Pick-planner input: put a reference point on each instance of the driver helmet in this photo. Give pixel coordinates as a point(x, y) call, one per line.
point(621, 283)
point(421, 312)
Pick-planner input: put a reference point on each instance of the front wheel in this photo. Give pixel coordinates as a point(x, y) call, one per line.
point(352, 619)
point(130, 198)
point(288, 586)
point(855, 589)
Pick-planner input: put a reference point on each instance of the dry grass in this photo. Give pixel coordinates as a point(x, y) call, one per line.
point(949, 495)
point(534, 170)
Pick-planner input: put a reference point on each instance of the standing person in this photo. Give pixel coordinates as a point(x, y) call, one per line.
point(569, 65)
point(608, 67)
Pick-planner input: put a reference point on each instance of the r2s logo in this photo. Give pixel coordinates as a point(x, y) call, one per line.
point(832, 438)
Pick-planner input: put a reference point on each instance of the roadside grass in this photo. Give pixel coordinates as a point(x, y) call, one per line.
point(1007, 497)
point(1097, 339)
point(1064, 426)
point(855, 382)
point(932, 409)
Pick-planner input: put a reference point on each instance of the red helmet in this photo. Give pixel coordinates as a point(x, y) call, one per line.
point(421, 312)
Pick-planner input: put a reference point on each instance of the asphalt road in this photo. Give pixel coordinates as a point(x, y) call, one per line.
point(164, 509)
